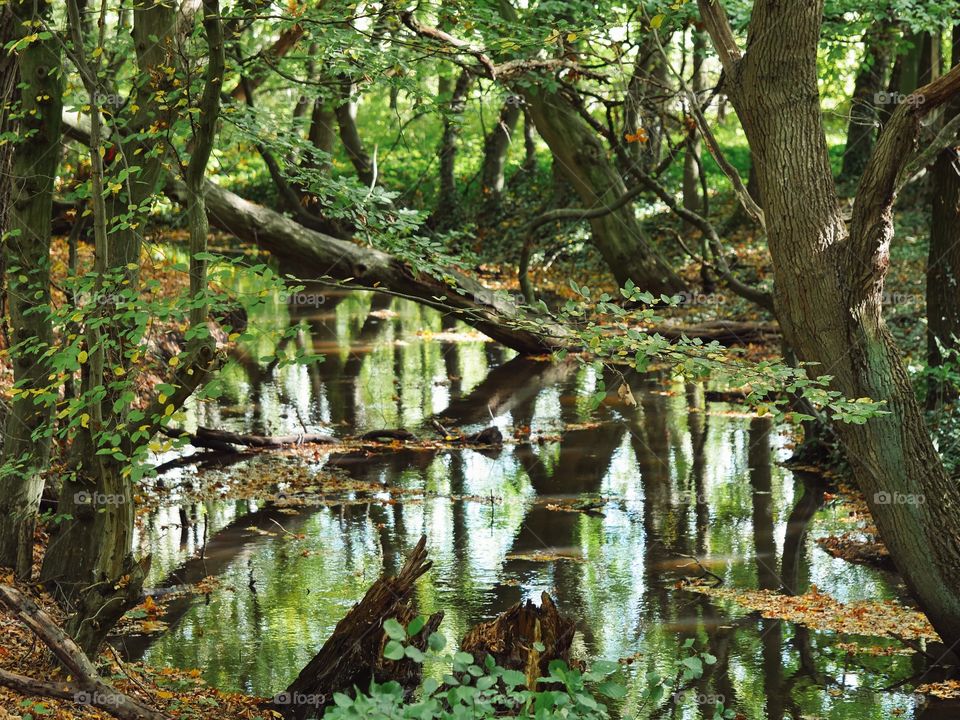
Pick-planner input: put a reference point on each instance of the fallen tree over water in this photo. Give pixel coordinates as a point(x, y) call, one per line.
point(314, 256)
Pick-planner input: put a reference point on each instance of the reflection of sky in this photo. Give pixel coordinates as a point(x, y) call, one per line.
point(639, 465)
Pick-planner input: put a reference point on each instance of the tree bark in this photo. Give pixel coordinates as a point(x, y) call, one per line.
point(943, 263)
point(26, 250)
point(584, 163)
point(829, 283)
point(864, 119)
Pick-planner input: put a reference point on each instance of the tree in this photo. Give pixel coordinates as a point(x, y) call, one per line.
point(943, 263)
point(89, 560)
point(878, 45)
point(829, 281)
point(26, 257)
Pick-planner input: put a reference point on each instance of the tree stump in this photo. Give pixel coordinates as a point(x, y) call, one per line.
point(353, 654)
point(510, 637)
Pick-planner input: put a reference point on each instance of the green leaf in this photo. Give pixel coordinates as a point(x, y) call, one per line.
point(394, 630)
point(611, 689)
point(436, 642)
point(393, 651)
point(416, 625)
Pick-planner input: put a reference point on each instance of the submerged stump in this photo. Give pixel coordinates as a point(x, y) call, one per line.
point(511, 638)
point(353, 654)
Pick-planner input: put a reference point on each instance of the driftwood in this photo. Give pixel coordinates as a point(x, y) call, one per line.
point(509, 638)
point(353, 654)
point(84, 684)
point(726, 332)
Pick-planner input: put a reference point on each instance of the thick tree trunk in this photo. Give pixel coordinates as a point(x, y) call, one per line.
point(314, 254)
point(584, 163)
point(829, 284)
point(26, 249)
point(943, 263)
point(867, 94)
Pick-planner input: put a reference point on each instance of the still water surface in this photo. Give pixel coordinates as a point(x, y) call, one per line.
point(671, 478)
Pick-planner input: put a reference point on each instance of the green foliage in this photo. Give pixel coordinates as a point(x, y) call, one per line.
point(477, 690)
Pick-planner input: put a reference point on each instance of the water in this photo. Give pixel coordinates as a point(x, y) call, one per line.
point(666, 480)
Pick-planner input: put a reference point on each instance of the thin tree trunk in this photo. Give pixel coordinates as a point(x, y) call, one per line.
point(692, 199)
point(864, 119)
point(829, 284)
point(496, 147)
point(346, 112)
point(26, 249)
point(943, 263)
point(448, 213)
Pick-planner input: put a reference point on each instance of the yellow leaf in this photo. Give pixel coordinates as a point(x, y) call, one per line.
point(85, 420)
point(656, 21)
point(98, 52)
point(82, 357)
point(571, 37)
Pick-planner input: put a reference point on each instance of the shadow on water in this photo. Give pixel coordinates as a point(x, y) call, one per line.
point(603, 509)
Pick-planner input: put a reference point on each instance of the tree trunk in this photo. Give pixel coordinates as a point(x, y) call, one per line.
point(943, 263)
point(448, 214)
point(26, 249)
point(496, 147)
point(584, 163)
point(692, 199)
point(346, 112)
point(829, 284)
point(867, 94)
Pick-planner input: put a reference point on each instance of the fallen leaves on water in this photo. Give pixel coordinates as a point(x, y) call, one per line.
point(817, 610)
point(863, 549)
point(545, 557)
point(946, 690)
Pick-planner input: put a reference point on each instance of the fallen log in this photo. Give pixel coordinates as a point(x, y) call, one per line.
point(353, 654)
point(84, 684)
point(725, 332)
point(224, 440)
point(512, 638)
point(312, 255)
